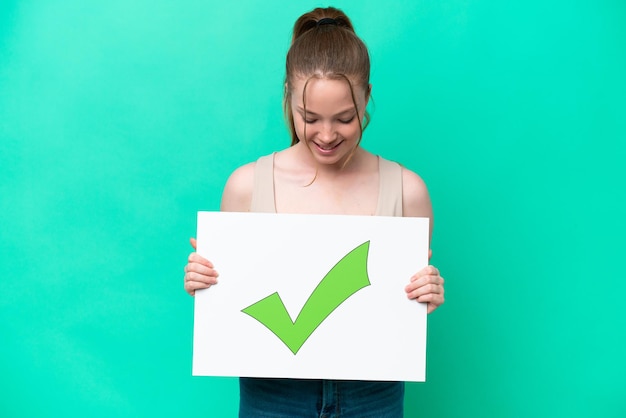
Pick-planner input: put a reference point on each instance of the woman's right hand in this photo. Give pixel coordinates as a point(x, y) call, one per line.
point(199, 272)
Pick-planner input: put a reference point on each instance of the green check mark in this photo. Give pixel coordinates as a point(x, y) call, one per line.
point(347, 277)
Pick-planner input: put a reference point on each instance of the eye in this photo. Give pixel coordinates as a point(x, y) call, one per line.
point(346, 121)
point(310, 120)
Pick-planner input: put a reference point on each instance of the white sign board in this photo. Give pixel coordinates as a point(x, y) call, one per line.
point(311, 296)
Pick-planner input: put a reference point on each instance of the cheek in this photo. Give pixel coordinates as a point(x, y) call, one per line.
point(351, 131)
point(301, 128)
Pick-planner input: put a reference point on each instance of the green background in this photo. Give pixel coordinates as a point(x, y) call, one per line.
point(120, 119)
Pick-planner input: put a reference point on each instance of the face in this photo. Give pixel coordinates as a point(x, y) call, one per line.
point(330, 127)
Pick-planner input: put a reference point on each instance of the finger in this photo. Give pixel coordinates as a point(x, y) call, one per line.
point(196, 258)
point(426, 271)
point(201, 270)
point(428, 284)
point(428, 289)
point(197, 284)
point(418, 282)
point(431, 298)
point(191, 287)
point(426, 280)
point(432, 302)
point(193, 243)
point(432, 306)
point(430, 270)
point(192, 276)
point(430, 254)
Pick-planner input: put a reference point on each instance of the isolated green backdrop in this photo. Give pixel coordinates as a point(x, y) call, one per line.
point(120, 119)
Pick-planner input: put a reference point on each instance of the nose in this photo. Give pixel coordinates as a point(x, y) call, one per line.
point(327, 133)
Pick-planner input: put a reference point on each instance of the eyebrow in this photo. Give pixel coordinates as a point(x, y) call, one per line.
point(309, 113)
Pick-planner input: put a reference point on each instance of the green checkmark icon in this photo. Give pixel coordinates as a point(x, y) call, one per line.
point(347, 277)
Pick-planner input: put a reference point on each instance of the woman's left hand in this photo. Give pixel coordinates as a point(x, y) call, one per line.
point(427, 286)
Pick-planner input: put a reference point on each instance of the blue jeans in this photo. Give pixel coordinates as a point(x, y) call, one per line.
point(303, 398)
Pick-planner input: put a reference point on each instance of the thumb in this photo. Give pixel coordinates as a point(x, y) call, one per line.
point(430, 253)
point(193, 242)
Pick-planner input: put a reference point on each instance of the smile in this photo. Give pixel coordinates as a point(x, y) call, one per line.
point(328, 147)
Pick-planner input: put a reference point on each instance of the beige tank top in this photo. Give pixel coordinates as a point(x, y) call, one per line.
point(389, 194)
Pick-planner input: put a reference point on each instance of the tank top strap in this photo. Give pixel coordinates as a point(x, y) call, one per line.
point(263, 192)
point(390, 189)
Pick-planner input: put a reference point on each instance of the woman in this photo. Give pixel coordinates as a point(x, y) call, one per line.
point(325, 171)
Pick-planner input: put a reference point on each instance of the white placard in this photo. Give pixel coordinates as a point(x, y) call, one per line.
point(358, 331)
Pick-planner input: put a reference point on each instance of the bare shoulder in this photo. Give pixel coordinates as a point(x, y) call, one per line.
point(237, 195)
point(415, 197)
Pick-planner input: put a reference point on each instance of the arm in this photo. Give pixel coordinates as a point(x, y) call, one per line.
point(237, 197)
point(426, 285)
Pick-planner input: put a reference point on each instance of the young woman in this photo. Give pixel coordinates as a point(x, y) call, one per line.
point(325, 171)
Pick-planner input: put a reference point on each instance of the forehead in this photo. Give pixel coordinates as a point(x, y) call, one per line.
point(325, 90)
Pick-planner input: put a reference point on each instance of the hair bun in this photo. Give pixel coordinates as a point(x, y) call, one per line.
point(326, 21)
point(321, 17)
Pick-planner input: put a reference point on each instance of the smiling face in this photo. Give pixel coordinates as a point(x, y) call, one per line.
point(326, 117)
